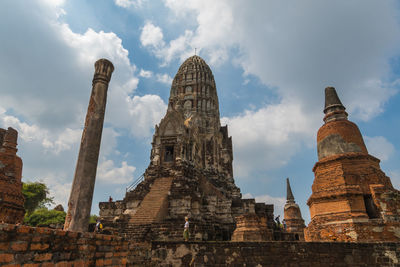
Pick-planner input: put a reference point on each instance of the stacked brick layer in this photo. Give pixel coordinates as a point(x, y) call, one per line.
point(205, 198)
point(34, 247)
point(294, 221)
point(338, 206)
point(352, 199)
point(11, 198)
point(283, 254)
point(39, 247)
point(154, 203)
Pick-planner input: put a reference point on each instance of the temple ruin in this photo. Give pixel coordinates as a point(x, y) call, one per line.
point(190, 172)
point(352, 198)
point(81, 196)
point(292, 215)
point(11, 198)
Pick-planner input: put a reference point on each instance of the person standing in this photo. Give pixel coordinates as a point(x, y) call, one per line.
point(186, 230)
point(99, 227)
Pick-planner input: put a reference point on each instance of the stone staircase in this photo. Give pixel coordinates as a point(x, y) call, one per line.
point(155, 204)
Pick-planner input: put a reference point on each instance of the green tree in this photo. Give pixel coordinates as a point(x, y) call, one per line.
point(36, 196)
point(93, 218)
point(45, 217)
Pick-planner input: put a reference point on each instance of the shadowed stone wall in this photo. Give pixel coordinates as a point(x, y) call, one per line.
point(30, 246)
point(275, 254)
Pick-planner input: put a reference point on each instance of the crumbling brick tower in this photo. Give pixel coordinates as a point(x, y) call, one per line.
point(11, 198)
point(292, 215)
point(190, 172)
point(352, 199)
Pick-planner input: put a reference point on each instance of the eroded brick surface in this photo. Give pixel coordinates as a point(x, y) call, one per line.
point(48, 248)
point(117, 251)
point(11, 198)
point(352, 198)
point(190, 173)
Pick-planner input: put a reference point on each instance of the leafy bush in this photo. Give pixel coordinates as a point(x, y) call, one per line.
point(45, 217)
point(36, 196)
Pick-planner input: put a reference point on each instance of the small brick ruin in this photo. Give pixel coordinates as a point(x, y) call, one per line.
point(11, 198)
point(190, 172)
point(293, 220)
point(352, 198)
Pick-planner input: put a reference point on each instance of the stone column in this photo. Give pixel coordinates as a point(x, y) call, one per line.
point(80, 200)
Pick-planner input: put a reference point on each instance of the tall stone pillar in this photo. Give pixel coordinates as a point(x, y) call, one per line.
point(80, 200)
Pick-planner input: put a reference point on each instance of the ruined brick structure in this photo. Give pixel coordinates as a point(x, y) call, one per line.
point(292, 215)
point(11, 198)
point(352, 198)
point(37, 246)
point(190, 172)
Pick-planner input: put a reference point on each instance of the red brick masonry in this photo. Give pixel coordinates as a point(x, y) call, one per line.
point(29, 246)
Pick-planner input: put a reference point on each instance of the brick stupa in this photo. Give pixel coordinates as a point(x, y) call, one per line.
point(190, 172)
point(352, 199)
point(11, 198)
point(292, 215)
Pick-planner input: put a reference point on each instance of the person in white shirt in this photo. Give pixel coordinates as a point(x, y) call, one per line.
point(186, 230)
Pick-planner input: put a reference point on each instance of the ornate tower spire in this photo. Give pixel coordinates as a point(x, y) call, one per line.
point(191, 131)
point(293, 219)
point(334, 109)
point(289, 194)
point(338, 135)
point(193, 91)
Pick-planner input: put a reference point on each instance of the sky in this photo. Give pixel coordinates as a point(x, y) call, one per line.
point(271, 61)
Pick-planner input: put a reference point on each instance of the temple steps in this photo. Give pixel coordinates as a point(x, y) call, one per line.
point(154, 204)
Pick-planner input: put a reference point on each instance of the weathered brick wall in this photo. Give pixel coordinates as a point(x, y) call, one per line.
point(34, 247)
point(11, 198)
point(275, 254)
point(40, 247)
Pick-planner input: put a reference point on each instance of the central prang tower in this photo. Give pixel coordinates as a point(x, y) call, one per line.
point(190, 171)
point(191, 132)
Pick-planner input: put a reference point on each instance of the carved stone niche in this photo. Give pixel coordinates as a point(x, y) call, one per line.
point(168, 150)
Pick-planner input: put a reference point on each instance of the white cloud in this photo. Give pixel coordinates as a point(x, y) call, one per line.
point(107, 172)
point(61, 69)
point(48, 105)
point(59, 188)
point(152, 35)
point(297, 49)
point(379, 147)
point(302, 47)
point(395, 178)
point(153, 38)
point(267, 138)
point(146, 111)
point(129, 3)
point(164, 78)
point(145, 73)
point(52, 142)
